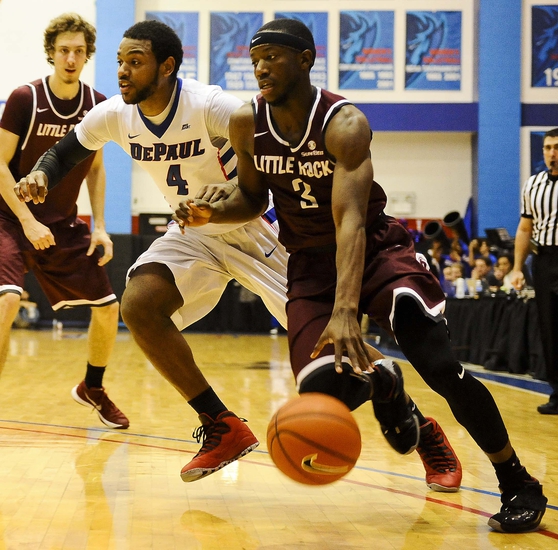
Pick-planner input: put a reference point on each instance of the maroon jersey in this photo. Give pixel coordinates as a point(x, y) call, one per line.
point(301, 176)
point(40, 119)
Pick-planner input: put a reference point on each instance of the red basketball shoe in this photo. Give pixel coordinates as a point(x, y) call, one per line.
point(97, 398)
point(224, 440)
point(443, 469)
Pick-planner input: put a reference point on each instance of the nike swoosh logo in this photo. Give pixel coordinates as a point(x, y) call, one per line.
point(260, 134)
point(462, 373)
point(42, 110)
point(134, 136)
point(309, 464)
point(268, 254)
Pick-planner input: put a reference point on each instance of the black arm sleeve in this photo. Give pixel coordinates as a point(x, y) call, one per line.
point(61, 158)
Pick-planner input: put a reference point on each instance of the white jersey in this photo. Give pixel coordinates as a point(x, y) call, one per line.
point(179, 154)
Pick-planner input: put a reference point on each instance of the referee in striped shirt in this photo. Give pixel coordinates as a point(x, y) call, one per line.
point(538, 231)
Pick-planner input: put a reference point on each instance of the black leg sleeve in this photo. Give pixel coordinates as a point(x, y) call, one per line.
point(427, 346)
point(352, 389)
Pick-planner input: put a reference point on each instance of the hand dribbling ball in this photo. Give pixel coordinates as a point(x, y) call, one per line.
point(314, 439)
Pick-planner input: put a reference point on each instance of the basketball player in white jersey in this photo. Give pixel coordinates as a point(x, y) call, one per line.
point(177, 130)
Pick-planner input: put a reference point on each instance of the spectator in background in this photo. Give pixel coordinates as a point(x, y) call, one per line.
point(538, 229)
point(459, 254)
point(479, 248)
point(483, 274)
point(502, 271)
point(461, 289)
point(437, 259)
point(49, 238)
point(448, 283)
point(454, 285)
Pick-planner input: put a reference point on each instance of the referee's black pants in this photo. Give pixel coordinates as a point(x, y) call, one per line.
point(545, 282)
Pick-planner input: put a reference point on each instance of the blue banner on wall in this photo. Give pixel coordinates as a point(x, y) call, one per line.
point(537, 157)
point(544, 46)
point(185, 24)
point(317, 23)
point(433, 50)
point(230, 33)
point(366, 50)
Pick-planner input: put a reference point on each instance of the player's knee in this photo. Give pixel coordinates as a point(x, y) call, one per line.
point(351, 389)
point(106, 314)
point(444, 378)
point(151, 295)
point(142, 309)
point(130, 309)
point(9, 306)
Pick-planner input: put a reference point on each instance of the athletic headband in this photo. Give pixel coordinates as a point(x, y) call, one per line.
point(282, 39)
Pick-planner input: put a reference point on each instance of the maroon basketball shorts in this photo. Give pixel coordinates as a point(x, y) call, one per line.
point(66, 274)
point(392, 270)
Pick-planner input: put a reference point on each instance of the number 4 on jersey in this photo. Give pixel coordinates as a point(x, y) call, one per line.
point(175, 179)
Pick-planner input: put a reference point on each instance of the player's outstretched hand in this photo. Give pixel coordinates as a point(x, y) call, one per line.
point(343, 331)
point(193, 213)
point(33, 187)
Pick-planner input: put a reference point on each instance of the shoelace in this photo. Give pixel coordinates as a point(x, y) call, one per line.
point(210, 435)
point(436, 454)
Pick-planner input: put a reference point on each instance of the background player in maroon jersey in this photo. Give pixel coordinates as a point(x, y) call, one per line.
point(49, 238)
point(312, 149)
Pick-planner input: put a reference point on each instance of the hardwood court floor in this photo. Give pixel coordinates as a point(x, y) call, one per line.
point(67, 482)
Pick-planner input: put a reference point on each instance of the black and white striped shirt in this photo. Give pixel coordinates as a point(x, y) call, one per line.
point(539, 201)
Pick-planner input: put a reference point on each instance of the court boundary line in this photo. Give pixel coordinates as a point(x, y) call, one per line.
point(426, 498)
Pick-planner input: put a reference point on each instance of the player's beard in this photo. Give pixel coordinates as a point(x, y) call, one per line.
point(145, 92)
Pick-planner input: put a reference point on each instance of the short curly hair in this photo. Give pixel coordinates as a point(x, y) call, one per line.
point(165, 42)
point(69, 22)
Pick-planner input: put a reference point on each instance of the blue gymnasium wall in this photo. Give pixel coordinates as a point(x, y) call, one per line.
point(113, 18)
point(499, 99)
point(498, 118)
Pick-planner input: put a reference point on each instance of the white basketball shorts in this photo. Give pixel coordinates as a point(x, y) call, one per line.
point(202, 266)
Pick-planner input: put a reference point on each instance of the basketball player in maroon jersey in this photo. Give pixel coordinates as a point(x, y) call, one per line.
point(311, 148)
point(50, 239)
point(171, 279)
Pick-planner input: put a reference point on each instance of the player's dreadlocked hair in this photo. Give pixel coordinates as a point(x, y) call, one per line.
point(69, 22)
point(164, 41)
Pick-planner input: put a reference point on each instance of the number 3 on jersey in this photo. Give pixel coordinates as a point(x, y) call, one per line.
point(307, 200)
point(175, 179)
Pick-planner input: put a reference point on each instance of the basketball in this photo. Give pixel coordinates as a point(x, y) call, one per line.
point(314, 439)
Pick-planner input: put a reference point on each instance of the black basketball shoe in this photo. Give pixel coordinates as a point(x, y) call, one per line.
point(523, 507)
point(400, 426)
